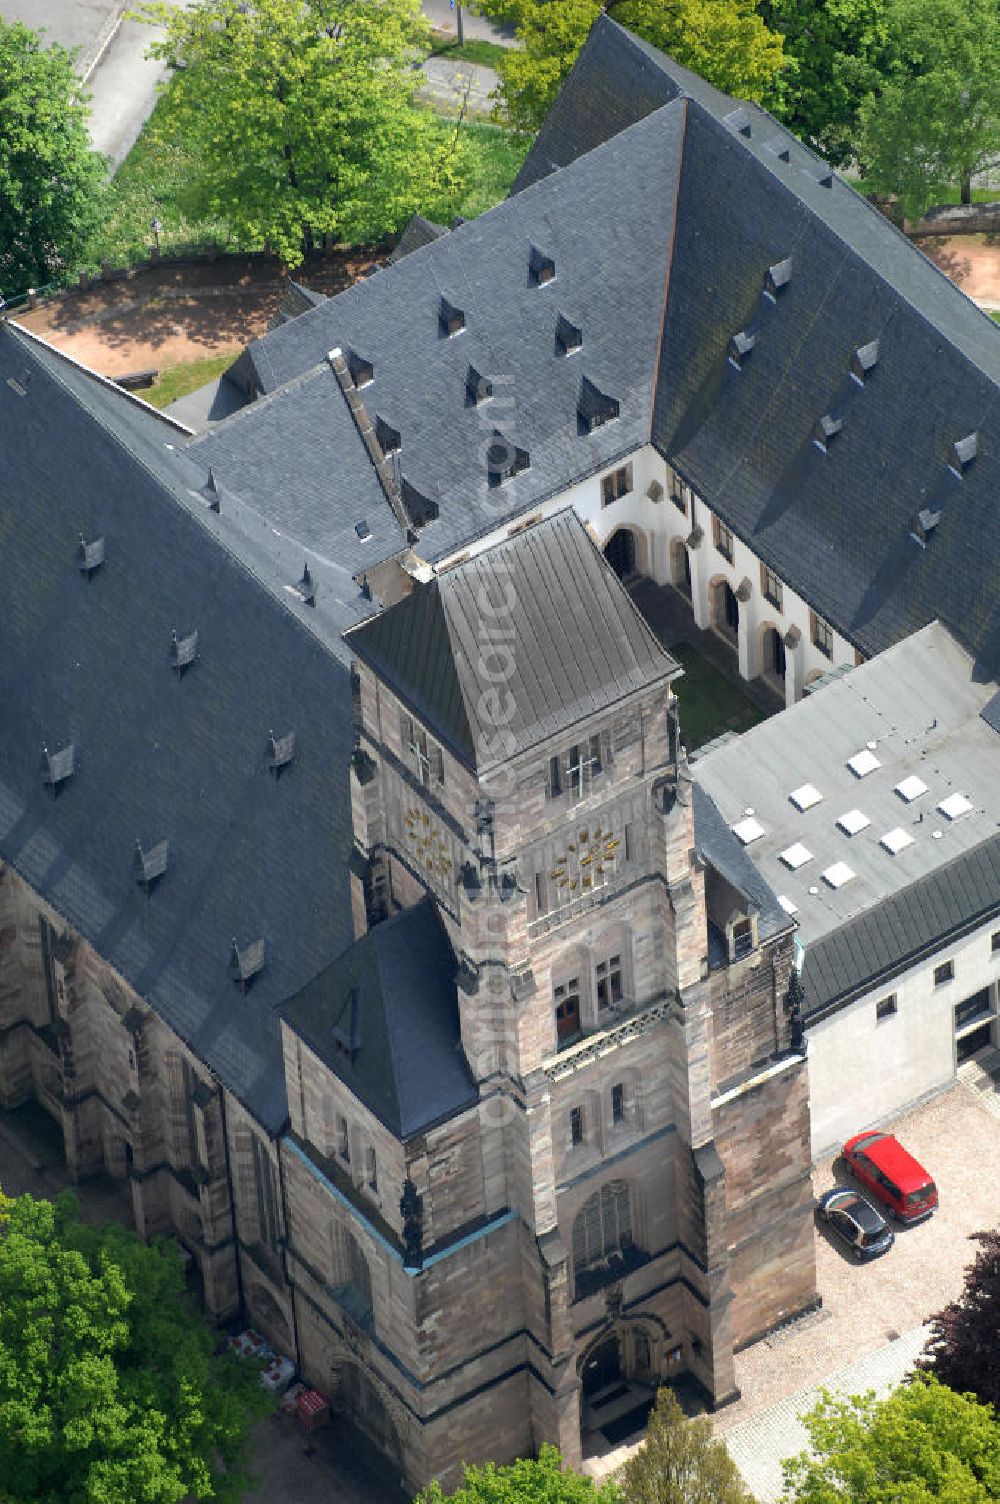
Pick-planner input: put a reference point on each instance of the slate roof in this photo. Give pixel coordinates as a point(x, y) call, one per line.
point(610, 285)
point(916, 709)
point(161, 756)
point(418, 232)
point(577, 643)
point(906, 927)
point(295, 299)
point(384, 1018)
point(699, 198)
point(715, 841)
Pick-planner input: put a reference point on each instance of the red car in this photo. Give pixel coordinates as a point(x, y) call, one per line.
point(885, 1169)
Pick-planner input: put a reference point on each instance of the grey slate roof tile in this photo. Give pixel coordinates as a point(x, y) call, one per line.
point(384, 1017)
point(610, 285)
point(161, 757)
point(576, 641)
point(885, 940)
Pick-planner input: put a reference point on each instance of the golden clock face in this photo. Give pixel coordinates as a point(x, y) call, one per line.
point(427, 844)
point(588, 861)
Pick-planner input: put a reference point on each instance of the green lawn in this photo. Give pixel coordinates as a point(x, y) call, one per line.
point(151, 183)
point(709, 704)
point(475, 50)
point(177, 381)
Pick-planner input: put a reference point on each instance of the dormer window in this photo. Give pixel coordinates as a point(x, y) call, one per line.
point(568, 337)
point(594, 408)
point(504, 459)
point(541, 268)
point(451, 320)
point(362, 370)
point(778, 277)
point(864, 361)
point(963, 452)
point(478, 388)
point(388, 437)
point(740, 347)
point(826, 430)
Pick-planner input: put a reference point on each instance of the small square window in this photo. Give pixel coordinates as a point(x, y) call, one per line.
point(770, 587)
point(944, 973)
point(576, 1125)
point(723, 539)
point(677, 493)
point(541, 895)
point(822, 634)
point(885, 1007)
point(616, 485)
point(618, 1103)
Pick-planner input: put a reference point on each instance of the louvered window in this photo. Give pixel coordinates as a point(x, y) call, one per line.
point(424, 756)
point(603, 1228)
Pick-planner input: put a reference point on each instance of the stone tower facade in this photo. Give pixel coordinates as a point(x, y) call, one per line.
point(625, 1198)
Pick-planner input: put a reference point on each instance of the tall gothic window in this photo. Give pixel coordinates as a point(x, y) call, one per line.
point(602, 1237)
point(352, 1281)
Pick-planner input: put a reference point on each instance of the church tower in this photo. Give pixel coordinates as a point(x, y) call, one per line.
point(520, 790)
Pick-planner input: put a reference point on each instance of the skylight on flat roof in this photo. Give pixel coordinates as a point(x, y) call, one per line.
point(853, 821)
point(863, 763)
point(896, 840)
point(839, 874)
point(787, 904)
point(748, 830)
point(805, 797)
point(911, 788)
point(795, 856)
point(955, 805)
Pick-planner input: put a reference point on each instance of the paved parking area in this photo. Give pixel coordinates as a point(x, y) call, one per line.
point(870, 1326)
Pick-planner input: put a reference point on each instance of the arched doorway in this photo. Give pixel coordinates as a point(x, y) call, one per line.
point(772, 657)
point(620, 553)
point(680, 567)
point(725, 610)
point(602, 1368)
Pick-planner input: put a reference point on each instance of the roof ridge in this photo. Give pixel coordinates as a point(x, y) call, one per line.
point(106, 383)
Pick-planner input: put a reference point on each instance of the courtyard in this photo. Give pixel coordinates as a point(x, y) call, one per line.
point(870, 1327)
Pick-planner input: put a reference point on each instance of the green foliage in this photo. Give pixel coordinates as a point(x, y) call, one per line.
point(838, 51)
point(472, 50)
point(680, 1462)
point(724, 40)
point(155, 181)
point(964, 1347)
point(109, 1392)
point(524, 1482)
point(936, 119)
point(298, 117)
point(51, 183)
point(924, 1443)
point(178, 381)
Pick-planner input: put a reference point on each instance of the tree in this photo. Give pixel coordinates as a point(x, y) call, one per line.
point(524, 1482)
point(680, 1463)
point(51, 183)
point(109, 1392)
point(837, 52)
point(936, 119)
point(301, 115)
point(924, 1443)
point(724, 40)
point(964, 1346)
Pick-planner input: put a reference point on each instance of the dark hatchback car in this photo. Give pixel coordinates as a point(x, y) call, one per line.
point(856, 1222)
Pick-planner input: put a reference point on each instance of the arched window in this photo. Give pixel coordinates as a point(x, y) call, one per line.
point(603, 1238)
point(352, 1281)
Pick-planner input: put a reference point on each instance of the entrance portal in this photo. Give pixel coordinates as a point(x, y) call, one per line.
point(620, 553)
point(603, 1368)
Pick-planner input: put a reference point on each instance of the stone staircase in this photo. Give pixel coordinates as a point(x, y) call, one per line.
point(981, 1075)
